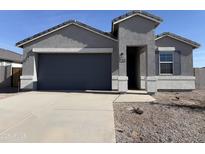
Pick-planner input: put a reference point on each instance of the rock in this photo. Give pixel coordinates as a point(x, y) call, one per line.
point(169, 139)
point(129, 135)
point(175, 99)
point(138, 110)
point(134, 134)
point(119, 130)
point(189, 103)
point(135, 110)
point(130, 108)
point(141, 139)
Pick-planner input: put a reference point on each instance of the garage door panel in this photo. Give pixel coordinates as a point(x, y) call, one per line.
point(74, 71)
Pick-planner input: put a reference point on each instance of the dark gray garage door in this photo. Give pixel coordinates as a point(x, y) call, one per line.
point(74, 72)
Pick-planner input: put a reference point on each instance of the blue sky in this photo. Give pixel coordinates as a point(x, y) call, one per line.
point(17, 25)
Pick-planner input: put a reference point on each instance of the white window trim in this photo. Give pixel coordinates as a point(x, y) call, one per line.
point(166, 62)
point(166, 49)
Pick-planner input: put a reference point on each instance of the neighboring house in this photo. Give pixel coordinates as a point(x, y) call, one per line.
point(75, 56)
point(10, 68)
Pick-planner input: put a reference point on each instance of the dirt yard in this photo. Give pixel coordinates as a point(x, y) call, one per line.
point(174, 117)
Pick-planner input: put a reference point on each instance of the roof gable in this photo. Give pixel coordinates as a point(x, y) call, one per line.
point(131, 14)
point(61, 26)
point(178, 38)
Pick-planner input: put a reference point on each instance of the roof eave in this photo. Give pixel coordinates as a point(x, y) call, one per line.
point(11, 60)
point(28, 40)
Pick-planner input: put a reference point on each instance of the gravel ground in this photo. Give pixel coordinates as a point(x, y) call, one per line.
point(174, 117)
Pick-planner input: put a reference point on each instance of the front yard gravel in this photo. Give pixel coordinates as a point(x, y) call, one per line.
point(174, 117)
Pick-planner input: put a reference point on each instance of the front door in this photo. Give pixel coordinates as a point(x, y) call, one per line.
point(16, 73)
point(131, 70)
point(133, 67)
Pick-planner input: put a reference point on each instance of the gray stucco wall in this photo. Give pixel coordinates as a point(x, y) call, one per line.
point(5, 76)
point(183, 58)
point(143, 61)
point(70, 37)
point(137, 31)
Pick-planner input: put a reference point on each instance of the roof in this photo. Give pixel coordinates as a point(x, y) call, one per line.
point(63, 25)
point(139, 13)
point(10, 56)
point(179, 38)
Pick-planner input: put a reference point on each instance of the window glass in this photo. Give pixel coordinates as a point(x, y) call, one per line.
point(166, 68)
point(166, 63)
point(166, 57)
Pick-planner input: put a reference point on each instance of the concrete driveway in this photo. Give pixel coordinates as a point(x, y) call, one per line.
point(57, 117)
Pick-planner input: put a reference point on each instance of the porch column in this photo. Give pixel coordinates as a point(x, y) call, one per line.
point(151, 80)
point(35, 66)
point(29, 76)
point(122, 78)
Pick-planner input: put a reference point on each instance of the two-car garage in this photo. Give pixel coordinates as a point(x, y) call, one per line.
point(74, 71)
point(69, 56)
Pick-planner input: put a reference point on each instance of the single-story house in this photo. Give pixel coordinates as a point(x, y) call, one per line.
point(75, 56)
point(10, 68)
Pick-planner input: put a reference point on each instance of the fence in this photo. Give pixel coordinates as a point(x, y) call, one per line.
point(200, 78)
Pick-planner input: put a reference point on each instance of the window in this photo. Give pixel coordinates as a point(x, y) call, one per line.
point(166, 62)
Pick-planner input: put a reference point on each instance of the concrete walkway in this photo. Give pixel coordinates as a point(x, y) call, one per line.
point(57, 117)
point(134, 98)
